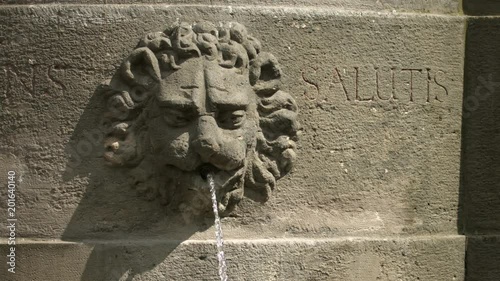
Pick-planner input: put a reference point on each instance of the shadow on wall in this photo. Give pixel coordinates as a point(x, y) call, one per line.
point(480, 197)
point(481, 7)
point(131, 234)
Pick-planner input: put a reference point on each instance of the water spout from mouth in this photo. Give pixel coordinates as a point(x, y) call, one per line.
point(218, 228)
point(205, 170)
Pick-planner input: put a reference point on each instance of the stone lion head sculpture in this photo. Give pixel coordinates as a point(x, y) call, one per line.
point(195, 99)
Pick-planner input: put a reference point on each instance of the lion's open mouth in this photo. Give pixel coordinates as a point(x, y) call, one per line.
point(206, 169)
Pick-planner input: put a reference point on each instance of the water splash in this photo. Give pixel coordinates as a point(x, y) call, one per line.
point(218, 231)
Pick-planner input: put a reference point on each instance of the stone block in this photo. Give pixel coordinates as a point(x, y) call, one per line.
point(350, 259)
point(380, 98)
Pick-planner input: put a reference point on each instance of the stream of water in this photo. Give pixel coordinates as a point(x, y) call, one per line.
point(218, 231)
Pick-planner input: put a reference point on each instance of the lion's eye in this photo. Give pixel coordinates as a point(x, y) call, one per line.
point(176, 118)
point(231, 119)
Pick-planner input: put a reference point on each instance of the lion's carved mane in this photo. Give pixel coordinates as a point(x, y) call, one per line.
point(130, 90)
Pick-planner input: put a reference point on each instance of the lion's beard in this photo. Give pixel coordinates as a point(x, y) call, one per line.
point(187, 192)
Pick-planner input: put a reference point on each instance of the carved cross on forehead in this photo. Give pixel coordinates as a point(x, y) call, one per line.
point(205, 87)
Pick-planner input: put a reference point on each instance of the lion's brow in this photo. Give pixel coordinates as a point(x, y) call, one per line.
point(219, 88)
point(228, 99)
point(190, 87)
point(177, 103)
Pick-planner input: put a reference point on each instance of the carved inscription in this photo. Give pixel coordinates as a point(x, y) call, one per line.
point(379, 83)
point(32, 78)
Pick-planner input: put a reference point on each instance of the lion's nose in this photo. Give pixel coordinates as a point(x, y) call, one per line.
point(206, 147)
point(206, 141)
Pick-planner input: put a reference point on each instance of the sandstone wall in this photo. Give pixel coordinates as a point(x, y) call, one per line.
point(378, 185)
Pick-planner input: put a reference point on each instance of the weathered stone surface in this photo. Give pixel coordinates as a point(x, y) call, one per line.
point(378, 156)
point(426, 259)
point(423, 6)
point(481, 138)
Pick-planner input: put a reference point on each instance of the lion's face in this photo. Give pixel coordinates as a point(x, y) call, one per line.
point(204, 114)
point(204, 117)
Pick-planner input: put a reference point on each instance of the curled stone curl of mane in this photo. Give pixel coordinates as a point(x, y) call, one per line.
point(160, 53)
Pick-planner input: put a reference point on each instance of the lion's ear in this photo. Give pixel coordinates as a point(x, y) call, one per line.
point(141, 68)
point(265, 74)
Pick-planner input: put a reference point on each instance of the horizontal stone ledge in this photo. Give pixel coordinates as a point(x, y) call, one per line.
point(277, 241)
point(421, 6)
point(354, 258)
point(223, 9)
